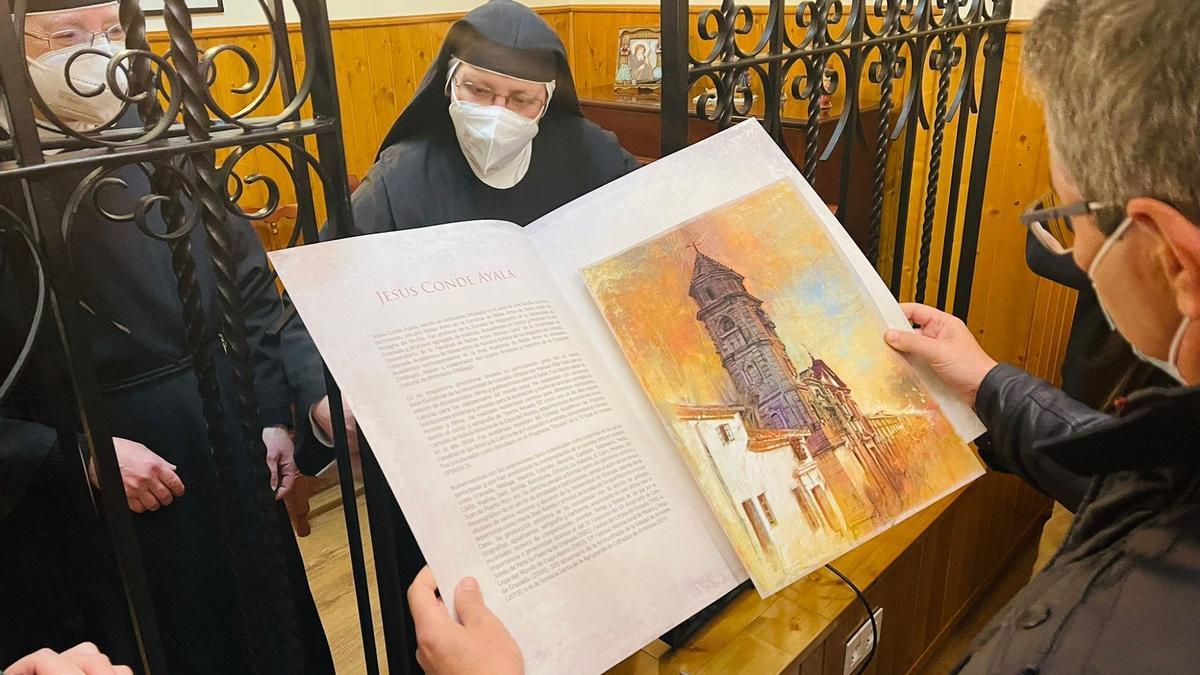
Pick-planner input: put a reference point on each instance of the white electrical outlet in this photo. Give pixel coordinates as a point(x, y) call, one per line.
point(861, 643)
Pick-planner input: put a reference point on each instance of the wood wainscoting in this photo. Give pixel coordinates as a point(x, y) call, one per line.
point(939, 561)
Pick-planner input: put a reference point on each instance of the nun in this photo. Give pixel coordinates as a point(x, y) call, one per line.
point(58, 579)
point(495, 131)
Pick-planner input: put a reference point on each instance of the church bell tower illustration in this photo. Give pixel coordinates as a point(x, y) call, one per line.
point(778, 396)
point(751, 352)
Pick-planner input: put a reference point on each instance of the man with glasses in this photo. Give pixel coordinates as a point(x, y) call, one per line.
point(1099, 368)
point(1120, 594)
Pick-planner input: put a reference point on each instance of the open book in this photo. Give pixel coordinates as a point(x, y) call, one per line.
point(612, 416)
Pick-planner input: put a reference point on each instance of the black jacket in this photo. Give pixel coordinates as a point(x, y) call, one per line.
point(1121, 594)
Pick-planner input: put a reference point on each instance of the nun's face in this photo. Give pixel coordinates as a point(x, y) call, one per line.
point(483, 87)
point(51, 31)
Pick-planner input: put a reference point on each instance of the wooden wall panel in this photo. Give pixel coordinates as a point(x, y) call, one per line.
point(594, 39)
point(1017, 316)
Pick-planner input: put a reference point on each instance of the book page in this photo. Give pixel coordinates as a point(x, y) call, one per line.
point(506, 442)
point(743, 318)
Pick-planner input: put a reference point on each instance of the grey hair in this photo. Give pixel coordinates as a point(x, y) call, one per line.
point(1120, 80)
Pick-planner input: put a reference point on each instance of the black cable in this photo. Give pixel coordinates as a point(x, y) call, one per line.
point(870, 617)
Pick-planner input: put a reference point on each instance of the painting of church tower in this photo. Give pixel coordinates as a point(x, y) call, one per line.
point(750, 349)
point(779, 396)
point(760, 349)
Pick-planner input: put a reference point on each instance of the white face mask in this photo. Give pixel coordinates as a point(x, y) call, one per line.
point(1170, 365)
point(497, 142)
point(88, 72)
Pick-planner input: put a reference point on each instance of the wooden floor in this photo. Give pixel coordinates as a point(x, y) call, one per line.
point(327, 560)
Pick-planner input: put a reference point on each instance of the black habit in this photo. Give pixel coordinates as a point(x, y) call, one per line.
point(53, 593)
point(422, 178)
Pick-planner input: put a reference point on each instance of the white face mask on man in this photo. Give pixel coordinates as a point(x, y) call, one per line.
point(497, 142)
point(88, 73)
point(1105, 283)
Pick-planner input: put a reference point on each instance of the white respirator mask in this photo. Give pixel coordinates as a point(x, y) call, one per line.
point(88, 73)
point(1113, 280)
point(497, 142)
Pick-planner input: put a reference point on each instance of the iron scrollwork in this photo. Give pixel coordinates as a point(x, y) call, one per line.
point(171, 126)
point(871, 55)
point(142, 80)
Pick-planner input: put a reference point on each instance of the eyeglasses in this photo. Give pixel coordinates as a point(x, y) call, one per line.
point(75, 37)
point(1051, 224)
point(481, 94)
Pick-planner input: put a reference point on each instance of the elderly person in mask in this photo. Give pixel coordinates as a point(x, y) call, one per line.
point(1121, 594)
point(57, 587)
point(494, 131)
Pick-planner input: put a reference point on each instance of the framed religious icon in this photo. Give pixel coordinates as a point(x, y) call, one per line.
point(639, 59)
point(155, 7)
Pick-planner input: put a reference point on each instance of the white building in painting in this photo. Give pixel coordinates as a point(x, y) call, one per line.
point(777, 490)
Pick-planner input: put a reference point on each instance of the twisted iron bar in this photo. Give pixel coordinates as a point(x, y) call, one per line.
point(168, 183)
point(962, 107)
point(141, 76)
point(229, 524)
point(944, 61)
point(887, 59)
point(210, 199)
point(812, 132)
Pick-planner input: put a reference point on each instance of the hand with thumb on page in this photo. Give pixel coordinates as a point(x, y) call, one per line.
point(944, 342)
point(477, 643)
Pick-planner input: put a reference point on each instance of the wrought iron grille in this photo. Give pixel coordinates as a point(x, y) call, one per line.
point(178, 131)
point(203, 159)
point(787, 64)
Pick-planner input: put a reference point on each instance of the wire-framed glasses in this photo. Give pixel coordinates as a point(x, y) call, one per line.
point(76, 37)
point(481, 94)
